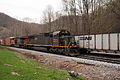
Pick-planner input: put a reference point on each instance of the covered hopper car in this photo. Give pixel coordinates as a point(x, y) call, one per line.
point(99, 42)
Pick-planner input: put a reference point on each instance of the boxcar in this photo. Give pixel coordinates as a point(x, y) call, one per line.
point(8, 41)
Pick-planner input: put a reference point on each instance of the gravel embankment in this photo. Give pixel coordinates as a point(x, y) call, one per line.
point(91, 72)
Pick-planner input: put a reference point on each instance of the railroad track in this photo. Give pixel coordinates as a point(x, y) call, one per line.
point(115, 59)
point(102, 58)
point(99, 60)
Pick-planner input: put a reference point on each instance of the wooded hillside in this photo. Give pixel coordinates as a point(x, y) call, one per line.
point(12, 27)
point(87, 17)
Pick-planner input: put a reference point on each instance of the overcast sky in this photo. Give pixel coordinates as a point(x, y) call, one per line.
point(27, 8)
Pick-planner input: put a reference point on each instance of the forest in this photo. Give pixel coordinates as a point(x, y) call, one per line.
point(77, 16)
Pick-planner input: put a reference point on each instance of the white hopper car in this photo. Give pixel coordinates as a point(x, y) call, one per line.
point(105, 42)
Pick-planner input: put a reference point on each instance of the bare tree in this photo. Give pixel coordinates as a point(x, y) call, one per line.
point(115, 7)
point(65, 4)
point(48, 16)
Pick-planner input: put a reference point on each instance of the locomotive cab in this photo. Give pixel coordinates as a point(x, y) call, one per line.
point(62, 38)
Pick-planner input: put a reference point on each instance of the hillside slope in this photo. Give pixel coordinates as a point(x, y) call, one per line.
point(109, 23)
point(12, 27)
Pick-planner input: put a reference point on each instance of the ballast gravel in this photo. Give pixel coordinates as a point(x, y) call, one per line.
point(92, 70)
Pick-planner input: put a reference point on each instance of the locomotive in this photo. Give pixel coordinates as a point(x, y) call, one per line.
point(59, 42)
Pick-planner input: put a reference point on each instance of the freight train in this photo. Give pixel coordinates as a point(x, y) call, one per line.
point(63, 43)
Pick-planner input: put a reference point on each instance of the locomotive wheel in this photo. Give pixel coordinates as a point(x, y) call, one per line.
point(83, 51)
point(73, 52)
point(59, 51)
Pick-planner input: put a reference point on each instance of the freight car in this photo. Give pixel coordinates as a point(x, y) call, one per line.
point(99, 42)
point(2, 41)
point(9, 41)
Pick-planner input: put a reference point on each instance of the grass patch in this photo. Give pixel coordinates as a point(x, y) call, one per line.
point(14, 66)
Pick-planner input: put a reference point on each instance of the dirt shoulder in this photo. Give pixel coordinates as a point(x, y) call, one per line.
point(91, 72)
